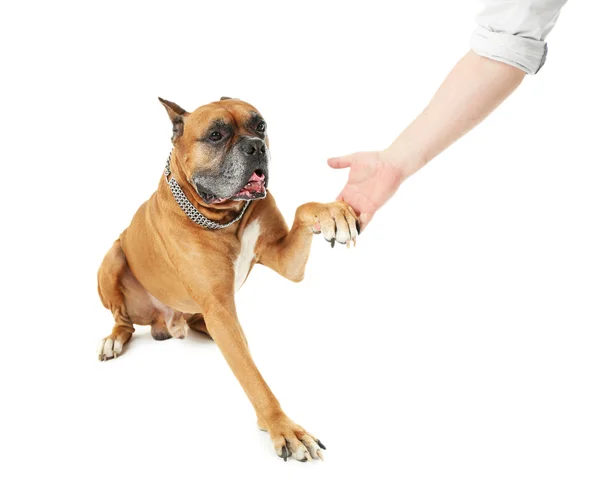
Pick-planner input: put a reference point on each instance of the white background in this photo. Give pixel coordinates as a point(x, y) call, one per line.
point(456, 345)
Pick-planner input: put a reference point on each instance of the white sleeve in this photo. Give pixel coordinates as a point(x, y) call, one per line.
point(514, 31)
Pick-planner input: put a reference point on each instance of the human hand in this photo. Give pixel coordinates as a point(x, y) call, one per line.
point(371, 182)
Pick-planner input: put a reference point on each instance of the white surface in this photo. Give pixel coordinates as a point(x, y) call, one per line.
point(457, 345)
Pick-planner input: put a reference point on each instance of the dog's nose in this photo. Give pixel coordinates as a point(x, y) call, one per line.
point(254, 146)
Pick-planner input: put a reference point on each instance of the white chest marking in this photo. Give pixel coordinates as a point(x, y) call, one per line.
point(244, 260)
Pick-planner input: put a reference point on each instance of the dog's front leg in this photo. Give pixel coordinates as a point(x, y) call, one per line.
point(289, 439)
point(287, 252)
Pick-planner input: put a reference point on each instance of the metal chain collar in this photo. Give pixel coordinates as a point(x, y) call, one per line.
point(189, 209)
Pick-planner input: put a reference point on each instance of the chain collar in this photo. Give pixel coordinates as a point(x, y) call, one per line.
point(189, 209)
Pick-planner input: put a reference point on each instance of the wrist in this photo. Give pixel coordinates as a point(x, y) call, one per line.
point(399, 160)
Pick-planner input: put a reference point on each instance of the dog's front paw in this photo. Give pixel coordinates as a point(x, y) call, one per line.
point(109, 348)
point(336, 221)
point(292, 441)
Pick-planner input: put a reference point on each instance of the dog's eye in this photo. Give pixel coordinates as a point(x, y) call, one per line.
point(261, 127)
point(215, 136)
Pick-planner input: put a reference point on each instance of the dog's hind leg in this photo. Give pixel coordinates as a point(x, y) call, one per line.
point(177, 325)
point(197, 323)
point(113, 268)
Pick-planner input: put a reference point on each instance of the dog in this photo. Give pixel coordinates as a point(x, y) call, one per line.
point(191, 246)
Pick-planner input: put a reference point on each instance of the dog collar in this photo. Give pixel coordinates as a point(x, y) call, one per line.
point(189, 209)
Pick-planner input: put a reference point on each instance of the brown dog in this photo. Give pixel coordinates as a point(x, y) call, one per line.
point(190, 247)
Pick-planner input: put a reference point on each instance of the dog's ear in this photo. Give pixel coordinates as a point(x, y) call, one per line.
point(177, 116)
point(225, 98)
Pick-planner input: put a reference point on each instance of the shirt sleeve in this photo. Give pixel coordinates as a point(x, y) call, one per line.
point(515, 31)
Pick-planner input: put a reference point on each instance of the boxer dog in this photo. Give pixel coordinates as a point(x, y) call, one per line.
point(190, 247)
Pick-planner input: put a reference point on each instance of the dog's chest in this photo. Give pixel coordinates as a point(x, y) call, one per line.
point(246, 256)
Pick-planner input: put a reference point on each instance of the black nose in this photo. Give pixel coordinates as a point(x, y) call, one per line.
point(254, 146)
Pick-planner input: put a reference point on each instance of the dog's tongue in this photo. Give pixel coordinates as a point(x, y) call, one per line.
point(256, 183)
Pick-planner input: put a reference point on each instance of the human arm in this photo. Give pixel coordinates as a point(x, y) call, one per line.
point(509, 42)
point(472, 90)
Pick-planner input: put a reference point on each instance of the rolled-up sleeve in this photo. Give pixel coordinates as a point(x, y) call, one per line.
point(515, 31)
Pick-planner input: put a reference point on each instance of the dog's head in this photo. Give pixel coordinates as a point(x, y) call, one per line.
point(222, 149)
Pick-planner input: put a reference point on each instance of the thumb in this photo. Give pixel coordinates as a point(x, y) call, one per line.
point(341, 162)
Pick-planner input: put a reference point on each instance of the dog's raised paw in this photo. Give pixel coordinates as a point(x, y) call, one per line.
point(337, 222)
point(109, 348)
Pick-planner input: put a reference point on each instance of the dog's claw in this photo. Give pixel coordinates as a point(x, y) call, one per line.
point(332, 242)
point(321, 445)
point(358, 227)
point(291, 441)
point(284, 453)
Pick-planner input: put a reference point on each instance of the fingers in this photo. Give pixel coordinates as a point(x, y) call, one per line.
point(365, 218)
point(341, 162)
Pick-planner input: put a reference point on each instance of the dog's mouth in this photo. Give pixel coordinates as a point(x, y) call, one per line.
point(254, 189)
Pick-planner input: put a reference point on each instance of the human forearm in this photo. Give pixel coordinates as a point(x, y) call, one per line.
point(472, 90)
